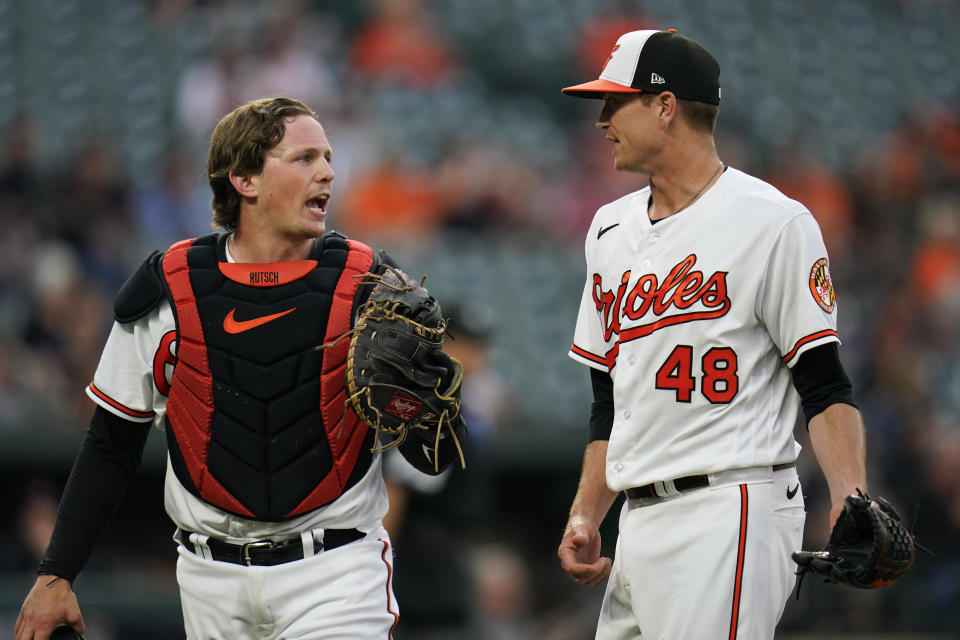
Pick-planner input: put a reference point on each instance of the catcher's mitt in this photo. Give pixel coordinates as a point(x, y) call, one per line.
point(398, 377)
point(869, 546)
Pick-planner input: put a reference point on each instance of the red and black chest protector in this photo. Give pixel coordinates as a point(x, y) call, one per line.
point(255, 411)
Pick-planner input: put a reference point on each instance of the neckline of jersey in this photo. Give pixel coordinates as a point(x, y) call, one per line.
point(693, 205)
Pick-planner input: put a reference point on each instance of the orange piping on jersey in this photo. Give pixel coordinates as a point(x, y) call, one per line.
point(810, 338)
point(133, 413)
point(396, 616)
point(589, 356)
point(741, 552)
point(266, 274)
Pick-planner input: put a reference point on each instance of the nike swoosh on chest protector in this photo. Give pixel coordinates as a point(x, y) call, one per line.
point(231, 325)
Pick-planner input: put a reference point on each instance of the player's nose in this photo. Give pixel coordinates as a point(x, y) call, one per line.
point(325, 173)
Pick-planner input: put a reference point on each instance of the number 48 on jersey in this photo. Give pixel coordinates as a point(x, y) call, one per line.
point(717, 371)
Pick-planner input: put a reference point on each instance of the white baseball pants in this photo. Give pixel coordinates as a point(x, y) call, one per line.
point(710, 564)
point(343, 594)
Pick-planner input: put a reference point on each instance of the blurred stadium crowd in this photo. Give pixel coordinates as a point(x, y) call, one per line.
point(455, 151)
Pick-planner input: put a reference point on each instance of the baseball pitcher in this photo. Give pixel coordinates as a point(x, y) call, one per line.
point(708, 320)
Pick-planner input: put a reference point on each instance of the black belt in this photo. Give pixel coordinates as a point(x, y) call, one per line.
point(686, 483)
point(267, 552)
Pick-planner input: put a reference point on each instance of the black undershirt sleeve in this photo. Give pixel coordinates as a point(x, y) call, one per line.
point(820, 380)
point(103, 470)
point(601, 410)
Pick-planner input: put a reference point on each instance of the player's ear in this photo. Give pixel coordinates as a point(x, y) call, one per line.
point(666, 105)
point(244, 185)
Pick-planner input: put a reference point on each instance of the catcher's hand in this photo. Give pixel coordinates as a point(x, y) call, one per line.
point(398, 378)
point(869, 546)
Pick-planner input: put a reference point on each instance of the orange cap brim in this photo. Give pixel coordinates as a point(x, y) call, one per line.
point(596, 89)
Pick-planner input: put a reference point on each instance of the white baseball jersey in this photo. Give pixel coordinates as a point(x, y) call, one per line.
point(697, 319)
point(132, 381)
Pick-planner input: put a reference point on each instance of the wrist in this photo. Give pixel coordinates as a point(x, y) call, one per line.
point(580, 522)
point(850, 489)
point(48, 579)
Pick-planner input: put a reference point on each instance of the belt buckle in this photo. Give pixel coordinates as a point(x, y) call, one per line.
point(245, 550)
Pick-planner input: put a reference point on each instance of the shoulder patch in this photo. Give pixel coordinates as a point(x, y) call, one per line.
point(142, 291)
point(821, 285)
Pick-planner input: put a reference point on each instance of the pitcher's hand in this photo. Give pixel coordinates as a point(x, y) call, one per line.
point(579, 555)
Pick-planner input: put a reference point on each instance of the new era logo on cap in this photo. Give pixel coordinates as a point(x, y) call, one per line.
point(656, 61)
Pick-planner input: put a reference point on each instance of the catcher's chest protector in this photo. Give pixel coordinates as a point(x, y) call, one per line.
point(255, 411)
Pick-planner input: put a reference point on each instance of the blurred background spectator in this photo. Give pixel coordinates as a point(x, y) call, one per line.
point(455, 151)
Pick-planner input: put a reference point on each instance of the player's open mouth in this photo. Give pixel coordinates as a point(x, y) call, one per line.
point(318, 205)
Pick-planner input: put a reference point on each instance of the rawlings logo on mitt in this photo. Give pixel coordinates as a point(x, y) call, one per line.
point(398, 377)
point(869, 546)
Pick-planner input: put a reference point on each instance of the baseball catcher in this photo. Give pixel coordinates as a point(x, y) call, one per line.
point(869, 546)
point(399, 380)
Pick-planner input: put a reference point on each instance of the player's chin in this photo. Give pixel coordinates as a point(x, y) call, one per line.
point(316, 225)
point(620, 161)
